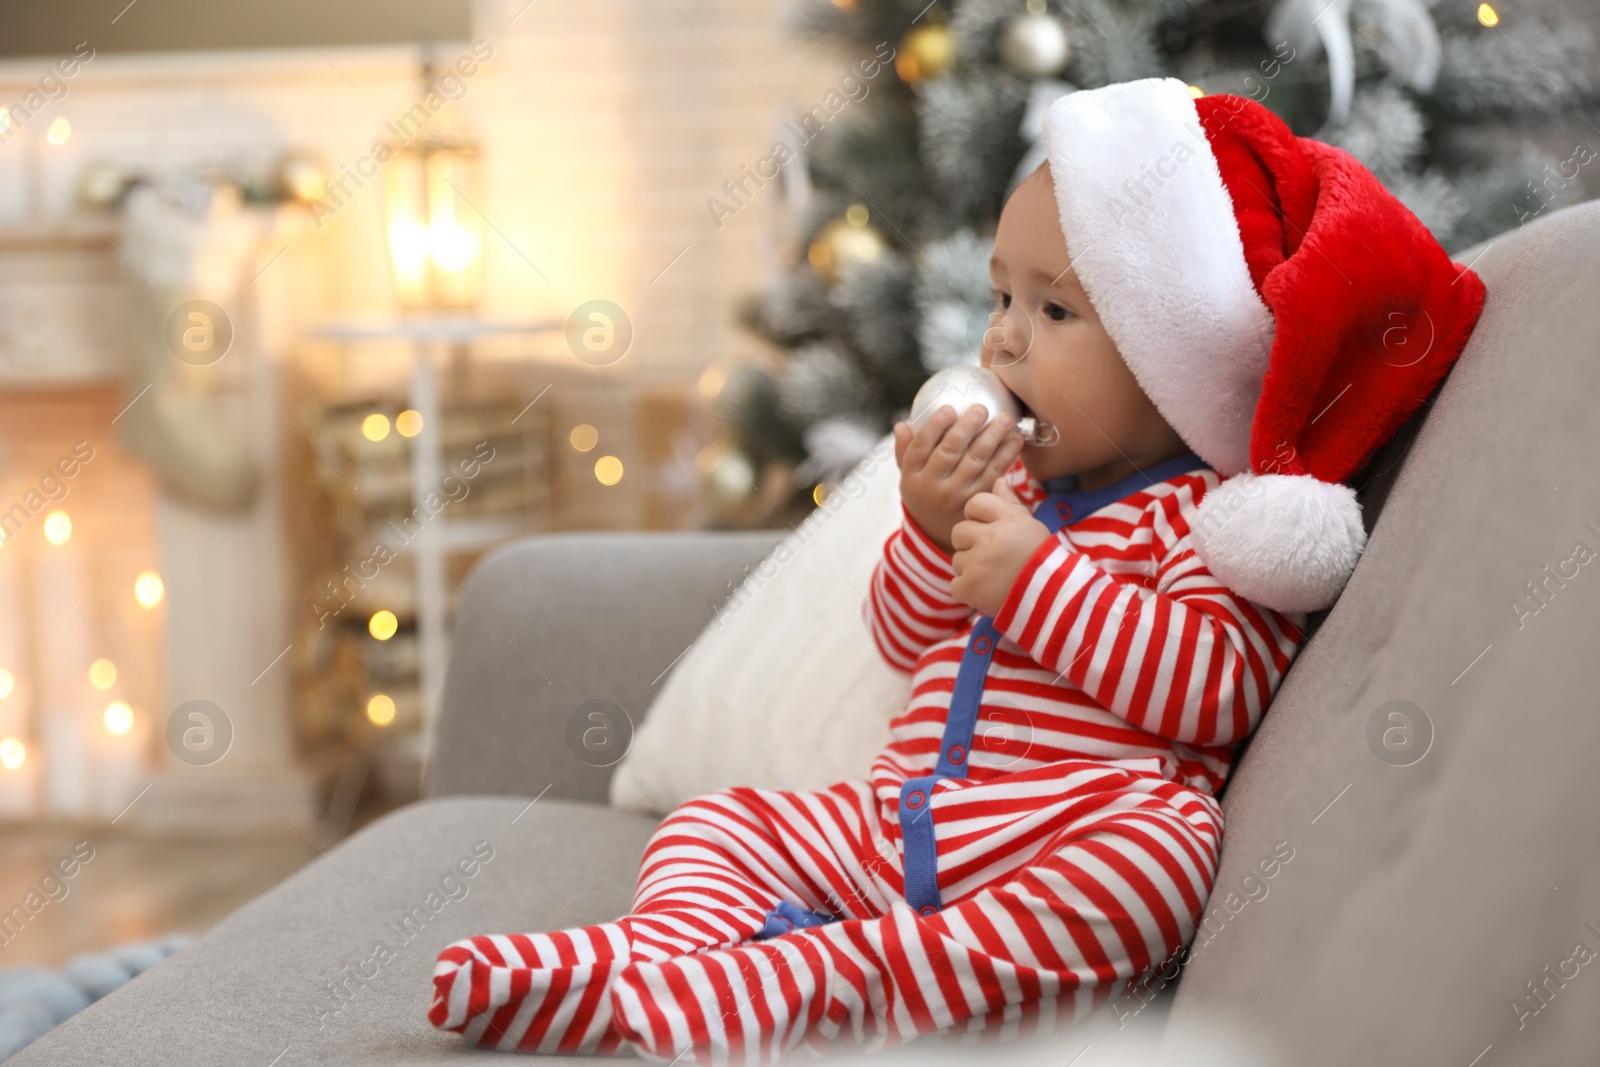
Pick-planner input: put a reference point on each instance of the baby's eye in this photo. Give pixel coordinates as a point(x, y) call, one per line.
point(1056, 312)
point(1003, 299)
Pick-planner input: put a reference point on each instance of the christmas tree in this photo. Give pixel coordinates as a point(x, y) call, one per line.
point(903, 179)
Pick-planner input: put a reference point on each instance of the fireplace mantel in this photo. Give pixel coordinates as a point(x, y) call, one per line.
point(61, 305)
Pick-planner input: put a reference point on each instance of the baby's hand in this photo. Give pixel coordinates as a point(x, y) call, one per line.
point(949, 460)
point(992, 546)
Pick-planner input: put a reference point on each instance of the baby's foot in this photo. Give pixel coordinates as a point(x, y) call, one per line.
point(756, 1003)
point(533, 992)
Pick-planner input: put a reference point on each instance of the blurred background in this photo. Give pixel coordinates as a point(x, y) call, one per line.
point(307, 304)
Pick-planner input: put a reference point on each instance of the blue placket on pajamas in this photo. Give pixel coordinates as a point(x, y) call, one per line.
point(921, 855)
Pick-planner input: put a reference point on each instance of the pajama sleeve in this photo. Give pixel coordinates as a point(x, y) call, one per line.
point(1172, 651)
point(909, 605)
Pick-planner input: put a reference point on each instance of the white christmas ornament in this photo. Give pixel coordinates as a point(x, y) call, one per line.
point(1409, 42)
point(733, 478)
point(963, 386)
point(1035, 44)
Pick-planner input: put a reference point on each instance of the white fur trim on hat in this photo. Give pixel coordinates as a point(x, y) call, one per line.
point(1151, 232)
point(1288, 541)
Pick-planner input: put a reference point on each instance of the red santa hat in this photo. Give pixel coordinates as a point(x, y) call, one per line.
point(1282, 310)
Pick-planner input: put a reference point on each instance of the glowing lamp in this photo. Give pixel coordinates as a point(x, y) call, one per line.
point(431, 189)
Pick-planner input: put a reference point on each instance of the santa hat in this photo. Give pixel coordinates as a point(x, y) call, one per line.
point(1282, 310)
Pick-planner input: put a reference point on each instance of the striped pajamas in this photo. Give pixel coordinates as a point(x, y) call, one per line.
point(1041, 829)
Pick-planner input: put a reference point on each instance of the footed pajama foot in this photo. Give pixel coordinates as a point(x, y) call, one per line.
point(761, 1002)
point(550, 992)
point(532, 992)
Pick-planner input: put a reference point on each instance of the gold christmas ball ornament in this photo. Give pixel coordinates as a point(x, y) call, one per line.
point(926, 52)
point(1035, 44)
point(852, 240)
point(302, 178)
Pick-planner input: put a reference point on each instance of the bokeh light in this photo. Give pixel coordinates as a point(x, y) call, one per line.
point(102, 673)
point(380, 709)
point(608, 470)
point(57, 527)
point(148, 589)
point(584, 437)
point(119, 717)
point(711, 381)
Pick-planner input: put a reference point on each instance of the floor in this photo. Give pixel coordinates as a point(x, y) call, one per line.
point(133, 886)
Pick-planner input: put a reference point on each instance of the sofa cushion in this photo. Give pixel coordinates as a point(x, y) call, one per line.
point(264, 986)
point(1425, 777)
point(560, 642)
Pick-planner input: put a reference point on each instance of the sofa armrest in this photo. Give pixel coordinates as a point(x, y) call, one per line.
point(548, 624)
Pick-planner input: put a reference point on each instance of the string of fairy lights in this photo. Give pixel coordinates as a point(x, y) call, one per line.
point(118, 717)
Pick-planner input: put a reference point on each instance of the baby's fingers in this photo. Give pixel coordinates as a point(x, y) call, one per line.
point(1002, 459)
point(920, 444)
point(964, 535)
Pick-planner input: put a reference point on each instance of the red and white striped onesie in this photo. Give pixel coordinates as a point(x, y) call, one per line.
point(1041, 829)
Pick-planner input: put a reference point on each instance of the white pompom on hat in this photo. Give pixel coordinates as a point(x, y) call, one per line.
point(1282, 310)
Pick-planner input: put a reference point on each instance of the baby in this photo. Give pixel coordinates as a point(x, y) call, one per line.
point(1043, 827)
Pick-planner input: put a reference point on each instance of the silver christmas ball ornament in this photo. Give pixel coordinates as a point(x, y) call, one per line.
point(967, 384)
point(1035, 43)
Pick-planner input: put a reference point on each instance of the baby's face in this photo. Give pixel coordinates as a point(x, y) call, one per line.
point(1048, 346)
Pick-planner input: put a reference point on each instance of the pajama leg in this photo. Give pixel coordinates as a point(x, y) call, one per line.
point(712, 875)
point(1110, 894)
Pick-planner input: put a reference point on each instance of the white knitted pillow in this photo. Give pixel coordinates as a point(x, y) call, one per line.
point(784, 689)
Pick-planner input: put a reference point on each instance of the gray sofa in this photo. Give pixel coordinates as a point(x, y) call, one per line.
point(1428, 766)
